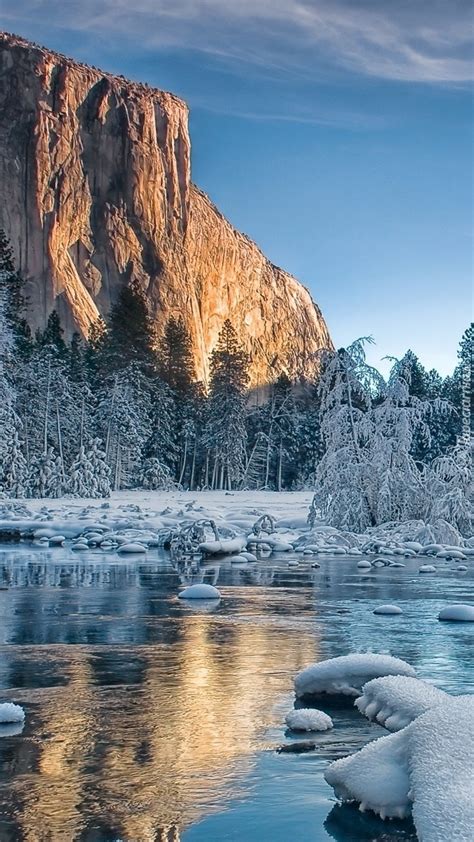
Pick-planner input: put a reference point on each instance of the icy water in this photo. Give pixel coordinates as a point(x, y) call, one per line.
point(152, 719)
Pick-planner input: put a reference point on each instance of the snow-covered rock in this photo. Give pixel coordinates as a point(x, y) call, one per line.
point(227, 546)
point(10, 712)
point(426, 768)
point(413, 545)
point(133, 547)
point(441, 759)
point(347, 674)
point(376, 777)
point(363, 564)
point(427, 568)
point(388, 609)
point(308, 719)
point(451, 553)
point(460, 613)
point(200, 592)
point(396, 700)
point(249, 556)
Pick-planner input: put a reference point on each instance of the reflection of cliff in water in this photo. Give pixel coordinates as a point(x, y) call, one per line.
point(136, 738)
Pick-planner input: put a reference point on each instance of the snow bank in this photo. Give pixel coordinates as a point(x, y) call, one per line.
point(200, 592)
point(457, 613)
point(308, 719)
point(441, 762)
point(396, 700)
point(347, 675)
point(11, 713)
point(428, 765)
point(376, 776)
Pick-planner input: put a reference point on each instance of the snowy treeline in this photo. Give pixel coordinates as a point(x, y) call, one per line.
point(124, 410)
point(388, 454)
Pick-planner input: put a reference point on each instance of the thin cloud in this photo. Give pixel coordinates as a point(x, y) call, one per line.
point(424, 41)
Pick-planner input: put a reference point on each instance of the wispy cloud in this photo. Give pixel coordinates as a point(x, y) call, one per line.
point(405, 40)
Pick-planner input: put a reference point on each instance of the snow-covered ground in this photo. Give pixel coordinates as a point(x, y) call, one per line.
point(147, 516)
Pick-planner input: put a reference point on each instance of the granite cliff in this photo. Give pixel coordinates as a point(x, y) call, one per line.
point(96, 191)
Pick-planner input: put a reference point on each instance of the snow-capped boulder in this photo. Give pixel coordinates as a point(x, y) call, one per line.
point(249, 556)
point(376, 777)
point(396, 700)
point(10, 712)
point(364, 564)
point(413, 545)
point(460, 613)
point(424, 769)
point(132, 547)
point(388, 609)
point(56, 540)
point(451, 553)
point(201, 591)
point(308, 719)
point(427, 568)
point(227, 546)
point(347, 674)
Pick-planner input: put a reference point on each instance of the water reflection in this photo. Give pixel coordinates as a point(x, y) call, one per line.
point(146, 715)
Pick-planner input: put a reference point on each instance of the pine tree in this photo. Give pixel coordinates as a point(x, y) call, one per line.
point(90, 474)
point(176, 360)
point(225, 433)
point(46, 475)
point(155, 476)
point(131, 335)
point(52, 337)
point(123, 423)
point(14, 482)
point(12, 287)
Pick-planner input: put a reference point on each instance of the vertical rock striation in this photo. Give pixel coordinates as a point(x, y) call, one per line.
point(96, 192)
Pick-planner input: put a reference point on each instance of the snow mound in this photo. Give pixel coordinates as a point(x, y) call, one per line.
point(200, 592)
point(460, 613)
point(376, 777)
point(308, 719)
point(11, 713)
point(396, 700)
point(427, 568)
point(441, 772)
point(364, 564)
point(228, 546)
point(132, 548)
point(428, 765)
point(388, 609)
point(347, 675)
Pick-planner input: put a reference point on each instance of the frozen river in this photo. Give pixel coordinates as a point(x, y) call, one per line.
point(151, 719)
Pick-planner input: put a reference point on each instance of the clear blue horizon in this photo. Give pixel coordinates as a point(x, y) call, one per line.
point(338, 136)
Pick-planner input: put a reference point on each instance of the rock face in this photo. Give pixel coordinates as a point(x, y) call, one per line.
point(96, 192)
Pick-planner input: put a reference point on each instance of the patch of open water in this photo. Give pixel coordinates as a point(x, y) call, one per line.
point(152, 719)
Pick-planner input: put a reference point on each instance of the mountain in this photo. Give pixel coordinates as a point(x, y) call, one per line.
point(97, 191)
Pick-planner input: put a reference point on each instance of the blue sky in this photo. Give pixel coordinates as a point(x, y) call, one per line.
point(336, 133)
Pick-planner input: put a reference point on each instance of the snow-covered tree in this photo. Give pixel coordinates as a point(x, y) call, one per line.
point(123, 423)
point(346, 389)
point(156, 476)
point(225, 431)
point(14, 481)
point(449, 489)
point(46, 475)
point(89, 473)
